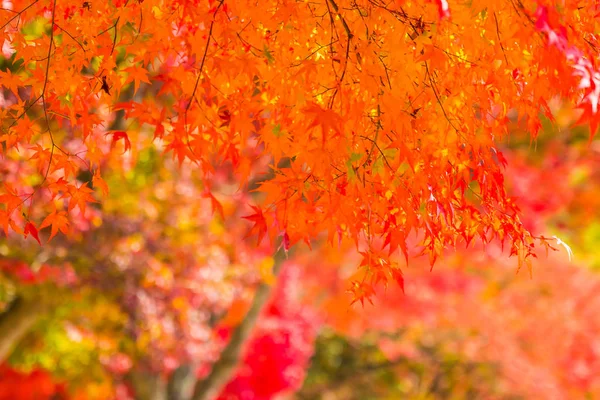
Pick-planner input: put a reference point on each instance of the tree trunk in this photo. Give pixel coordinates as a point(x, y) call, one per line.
point(222, 371)
point(181, 383)
point(148, 385)
point(16, 322)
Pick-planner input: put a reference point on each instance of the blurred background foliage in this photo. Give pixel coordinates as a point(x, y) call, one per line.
point(359, 370)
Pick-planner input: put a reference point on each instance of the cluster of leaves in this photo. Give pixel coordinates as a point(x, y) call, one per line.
point(475, 307)
point(380, 120)
point(468, 327)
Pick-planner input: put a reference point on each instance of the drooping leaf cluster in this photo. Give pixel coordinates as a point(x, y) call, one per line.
point(380, 120)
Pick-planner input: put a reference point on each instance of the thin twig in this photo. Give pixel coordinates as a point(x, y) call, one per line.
point(210, 30)
point(499, 39)
point(17, 15)
point(350, 35)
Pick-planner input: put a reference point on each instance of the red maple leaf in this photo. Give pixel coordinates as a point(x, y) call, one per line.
point(589, 117)
point(260, 224)
point(118, 135)
point(31, 229)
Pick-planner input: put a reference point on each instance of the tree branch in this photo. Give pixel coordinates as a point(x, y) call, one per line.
point(181, 383)
point(211, 386)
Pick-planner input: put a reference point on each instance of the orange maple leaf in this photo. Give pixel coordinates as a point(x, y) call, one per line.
point(260, 223)
point(80, 196)
point(136, 74)
point(362, 291)
point(98, 182)
point(58, 221)
point(216, 205)
point(327, 119)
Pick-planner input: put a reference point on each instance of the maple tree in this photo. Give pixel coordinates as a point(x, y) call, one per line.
point(378, 120)
point(375, 123)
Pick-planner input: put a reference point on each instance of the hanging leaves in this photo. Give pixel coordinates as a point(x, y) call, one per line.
point(30, 229)
point(58, 221)
point(365, 120)
point(260, 225)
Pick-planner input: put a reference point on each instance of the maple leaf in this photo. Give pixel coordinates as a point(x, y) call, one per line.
point(80, 196)
point(180, 150)
point(11, 81)
point(42, 157)
point(361, 291)
point(11, 198)
point(136, 74)
point(59, 222)
point(4, 221)
point(97, 181)
point(327, 119)
point(216, 205)
point(60, 185)
point(589, 117)
point(260, 224)
point(396, 238)
point(118, 135)
point(30, 229)
point(398, 277)
point(400, 120)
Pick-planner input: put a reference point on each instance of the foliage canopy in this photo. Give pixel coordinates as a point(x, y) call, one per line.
point(361, 119)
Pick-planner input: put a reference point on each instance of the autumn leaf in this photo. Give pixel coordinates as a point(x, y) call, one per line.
point(58, 221)
point(589, 117)
point(398, 277)
point(328, 120)
point(120, 135)
point(352, 134)
point(136, 74)
point(361, 291)
point(98, 182)
point(215, 204)
point(80, 196)
point(30, 229)
point(260, 225)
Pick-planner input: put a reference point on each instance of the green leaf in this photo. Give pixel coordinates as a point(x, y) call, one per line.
point(277, 131)
point(354, 157)
point(268, 55)
point(351, 173)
